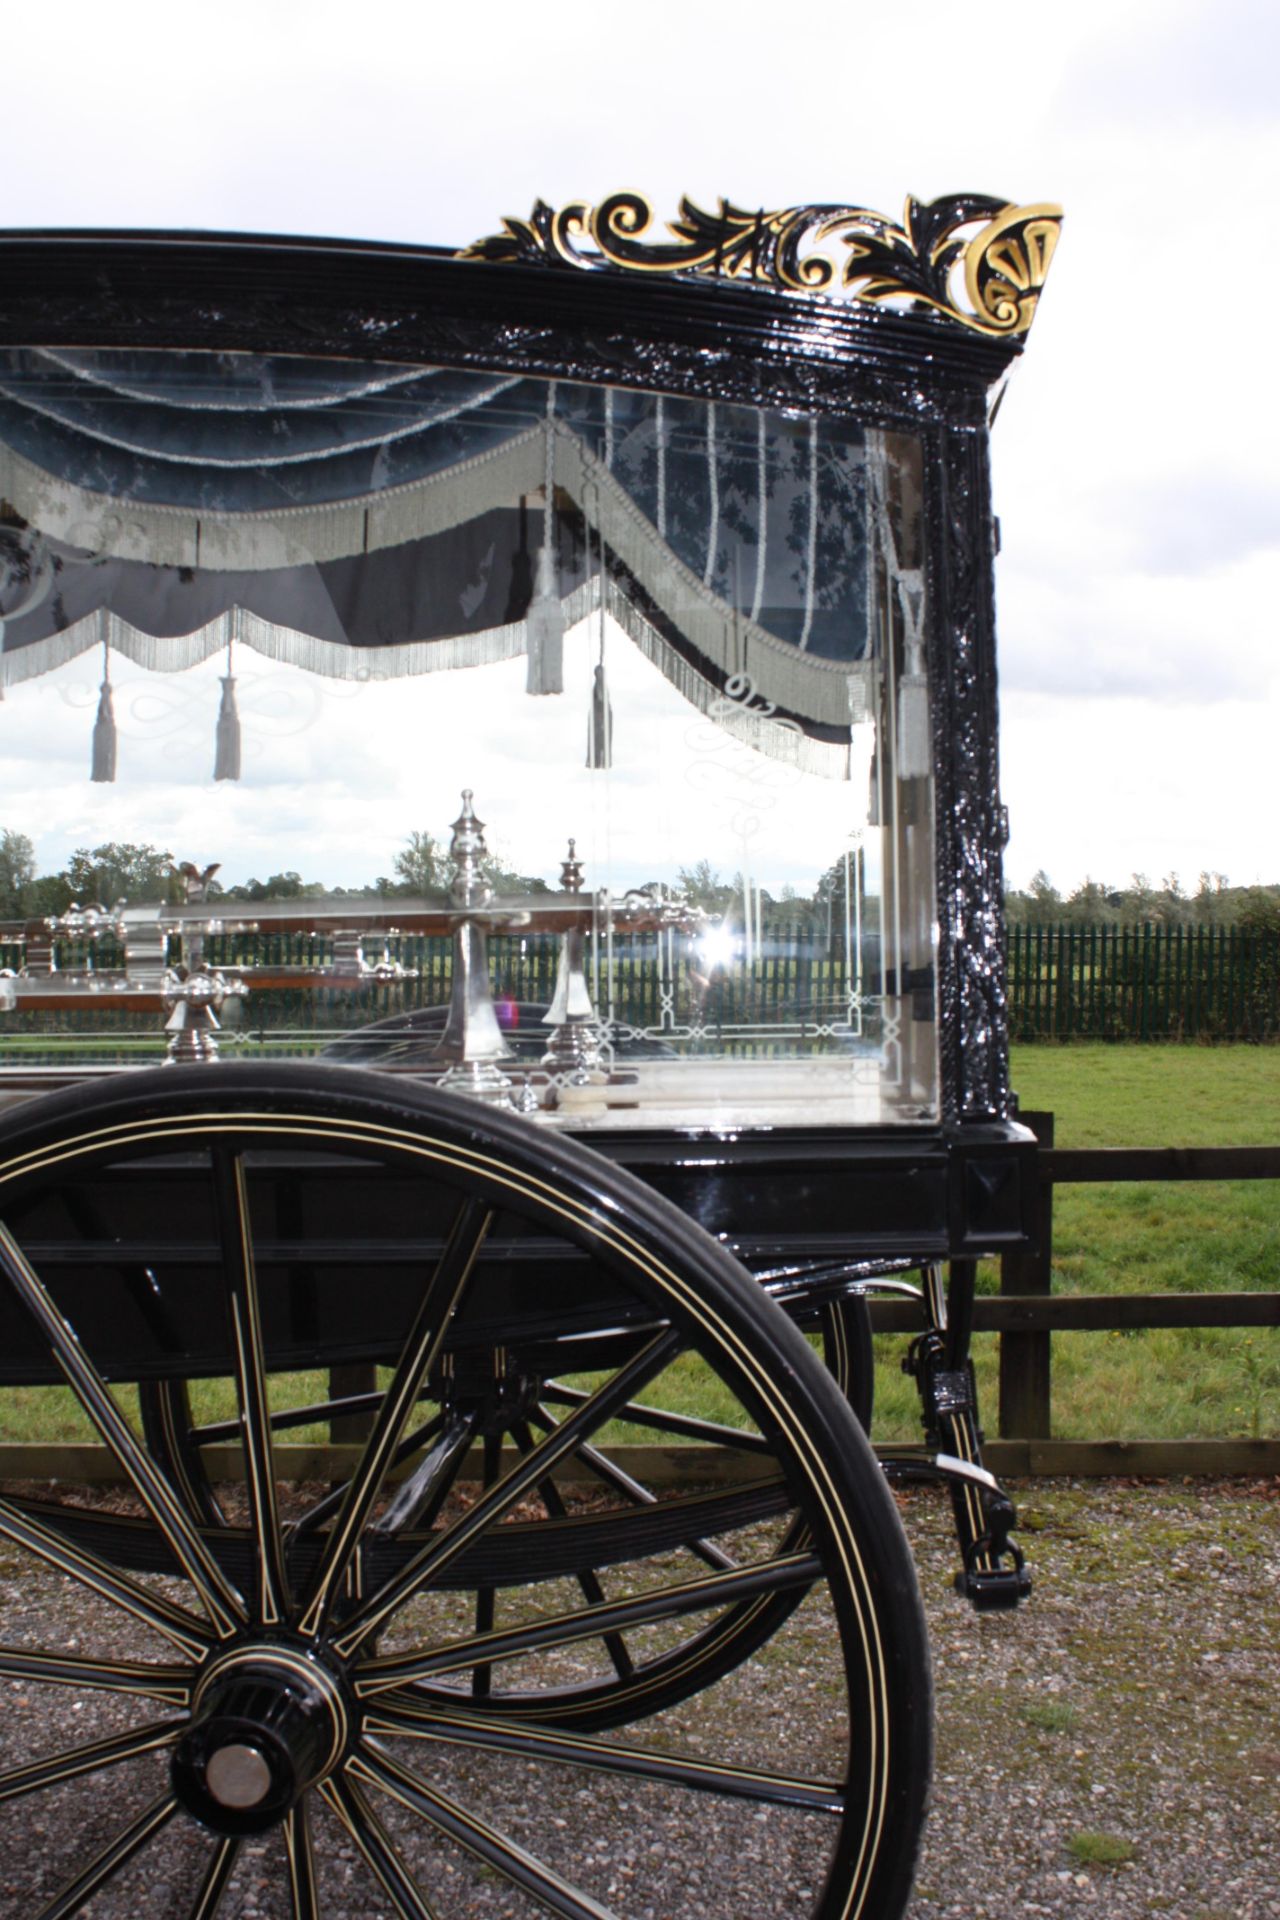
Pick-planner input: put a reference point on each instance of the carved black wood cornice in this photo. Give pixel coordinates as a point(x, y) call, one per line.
point(723, 339)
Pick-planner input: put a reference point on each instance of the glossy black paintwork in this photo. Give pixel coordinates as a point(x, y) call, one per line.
point(814, 1193)
point(130, 1249)
point(268, 295)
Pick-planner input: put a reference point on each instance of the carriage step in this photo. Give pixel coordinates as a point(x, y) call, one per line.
point(989, 1585)
point(998, 1591)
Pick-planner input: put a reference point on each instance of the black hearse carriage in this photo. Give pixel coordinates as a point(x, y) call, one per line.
point(681, 548)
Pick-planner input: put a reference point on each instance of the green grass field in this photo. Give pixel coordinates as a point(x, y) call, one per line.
point(1161, 1384)
point(1223, 1236)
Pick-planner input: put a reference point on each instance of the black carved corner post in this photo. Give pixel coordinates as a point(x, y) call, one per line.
point(972, 990)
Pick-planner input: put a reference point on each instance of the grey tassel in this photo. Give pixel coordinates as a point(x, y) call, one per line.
point(226, 759)
point(545, 626)
point(913, 721)
point(600, 724)
point(544, 622)
point(915, 761)
point(104, 737)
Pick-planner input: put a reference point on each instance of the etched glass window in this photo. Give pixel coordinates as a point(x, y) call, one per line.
point(686, 635)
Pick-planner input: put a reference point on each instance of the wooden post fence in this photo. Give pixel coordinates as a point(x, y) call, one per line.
point(1026, 1313)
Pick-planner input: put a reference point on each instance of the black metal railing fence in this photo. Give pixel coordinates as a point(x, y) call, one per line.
point(1141, 983)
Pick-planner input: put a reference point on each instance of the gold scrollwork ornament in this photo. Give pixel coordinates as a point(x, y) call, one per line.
point(1005, 265)
point(1004, 262)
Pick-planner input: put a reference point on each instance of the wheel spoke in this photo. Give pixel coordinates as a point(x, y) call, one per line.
point(88, 1759)
point(175, 1623)
point(378, 1848)
point(165, 1406)
point(486, 1598)
point(480, 1839)
point(535, 1466)
point(220, 1601)
point(614, 1476)
point(636, 1414)
point(214, 1884)
point(441, 1296)
point(110, 1860)
point(482, 1676)
point(491, 1244)
point(231, 1199)
point(302, 1864)
point(170, 1684)
point(498, 1735)
point(311, 1415)
point(640, 1610)
point(592, 1591)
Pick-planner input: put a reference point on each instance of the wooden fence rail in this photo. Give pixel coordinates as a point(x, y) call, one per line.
point(1026, 1313)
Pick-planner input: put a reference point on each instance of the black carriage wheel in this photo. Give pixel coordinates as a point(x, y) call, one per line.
point(633, 1687)
point(315, 1676)
point(849, 1350)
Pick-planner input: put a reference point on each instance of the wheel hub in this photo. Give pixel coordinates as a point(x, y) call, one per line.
point(268, 1721)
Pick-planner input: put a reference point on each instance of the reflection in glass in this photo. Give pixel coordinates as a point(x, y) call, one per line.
point(687, 634)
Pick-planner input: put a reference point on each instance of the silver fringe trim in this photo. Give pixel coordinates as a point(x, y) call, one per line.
point(828, 692)
point(285, 537)
point(332, 659)
point(754, 728)
point(336, 662)
point(801, 683)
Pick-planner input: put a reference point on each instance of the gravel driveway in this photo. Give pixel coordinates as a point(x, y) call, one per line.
point(1112, 1749)
point(1131, 1710)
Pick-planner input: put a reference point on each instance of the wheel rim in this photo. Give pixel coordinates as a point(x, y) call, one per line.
point(299, 1685)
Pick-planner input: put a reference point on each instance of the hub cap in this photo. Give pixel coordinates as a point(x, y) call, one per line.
point(268, 1722)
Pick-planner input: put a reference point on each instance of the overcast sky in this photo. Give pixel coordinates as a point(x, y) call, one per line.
point(1135, 459)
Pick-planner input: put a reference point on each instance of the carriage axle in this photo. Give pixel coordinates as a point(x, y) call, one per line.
point(270, 1720)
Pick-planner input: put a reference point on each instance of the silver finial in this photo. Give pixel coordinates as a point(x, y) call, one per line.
point(571, 870)
point(472, 1044)
point(468, 886)
point(193, 1002)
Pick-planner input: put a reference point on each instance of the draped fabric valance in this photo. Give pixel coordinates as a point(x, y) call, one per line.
point(359, 519)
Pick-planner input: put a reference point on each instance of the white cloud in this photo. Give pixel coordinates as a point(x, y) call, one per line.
point(1134, 460)
point(337, 775)
point(1161, 638)
point(1097, 789)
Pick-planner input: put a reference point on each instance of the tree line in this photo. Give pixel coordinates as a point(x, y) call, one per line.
point(125, 870)
point(1215, 903)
